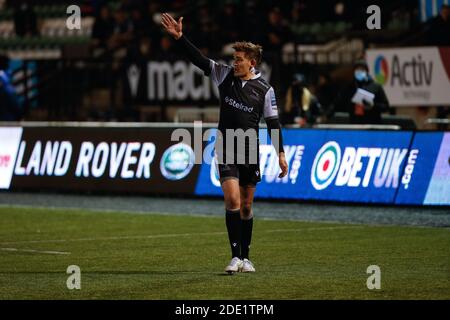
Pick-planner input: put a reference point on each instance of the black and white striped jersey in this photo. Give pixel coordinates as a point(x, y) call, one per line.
point(242, 103)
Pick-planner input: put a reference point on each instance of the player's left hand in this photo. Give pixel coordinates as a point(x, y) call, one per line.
point(283, 165)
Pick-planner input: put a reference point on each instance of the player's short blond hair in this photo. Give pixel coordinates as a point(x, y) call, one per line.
point(251, 50)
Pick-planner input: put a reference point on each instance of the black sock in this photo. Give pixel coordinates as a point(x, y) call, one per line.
point(233, 222)
point(246, 238)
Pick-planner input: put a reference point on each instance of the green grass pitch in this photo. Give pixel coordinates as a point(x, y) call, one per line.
point(161, 256)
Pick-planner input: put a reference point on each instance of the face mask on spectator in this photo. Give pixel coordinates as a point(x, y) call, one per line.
point(360, 75)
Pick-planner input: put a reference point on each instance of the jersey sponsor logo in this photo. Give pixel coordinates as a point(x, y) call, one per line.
point(238, 105)
point(177, 161)
point(357, 167)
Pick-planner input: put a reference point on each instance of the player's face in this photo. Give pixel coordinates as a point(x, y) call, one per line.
point(241, 64)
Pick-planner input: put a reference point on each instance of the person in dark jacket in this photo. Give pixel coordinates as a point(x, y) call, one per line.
point(103, 27)
point(437, 30)
point(9, 104)
point(25, 19)
point(366, 111)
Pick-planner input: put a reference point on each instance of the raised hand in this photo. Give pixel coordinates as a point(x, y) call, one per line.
point(173, 27)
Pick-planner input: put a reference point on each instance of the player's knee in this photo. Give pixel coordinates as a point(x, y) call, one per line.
point(246, 210)
point(233, 203)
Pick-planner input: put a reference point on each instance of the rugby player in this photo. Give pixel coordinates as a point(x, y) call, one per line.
point(244, 98)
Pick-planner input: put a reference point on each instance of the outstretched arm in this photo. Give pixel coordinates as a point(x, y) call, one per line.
point(175, 29)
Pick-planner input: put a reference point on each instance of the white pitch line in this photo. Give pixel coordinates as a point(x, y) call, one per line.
point(312, 229)
point(33, 251)
point(155, 236)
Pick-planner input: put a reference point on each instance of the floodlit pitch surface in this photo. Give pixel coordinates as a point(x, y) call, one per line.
point(152, 256)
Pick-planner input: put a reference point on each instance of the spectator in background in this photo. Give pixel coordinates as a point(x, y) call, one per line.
point(301, 106)
point(277, 32)
point(103, 27)
point(437, 31)
point(367, 111)
point(153, 31)
point(326, 94)
point(229, 22)
point(138, 55)
point(127, 5)
point(123, 29)
point(96, 6)
point(25, 22)
point(205, 36)
point(296, 17)
point(253, 21)
point(140, 25)
point(339, 11)
point(9, 103)
point(166, 50)
point(307, 12)
point(140, 52)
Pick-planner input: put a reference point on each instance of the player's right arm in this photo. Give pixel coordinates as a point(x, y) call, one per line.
point(217, 71)
point(274, 128)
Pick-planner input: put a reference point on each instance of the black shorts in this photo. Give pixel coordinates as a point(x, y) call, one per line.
point(247, 174)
